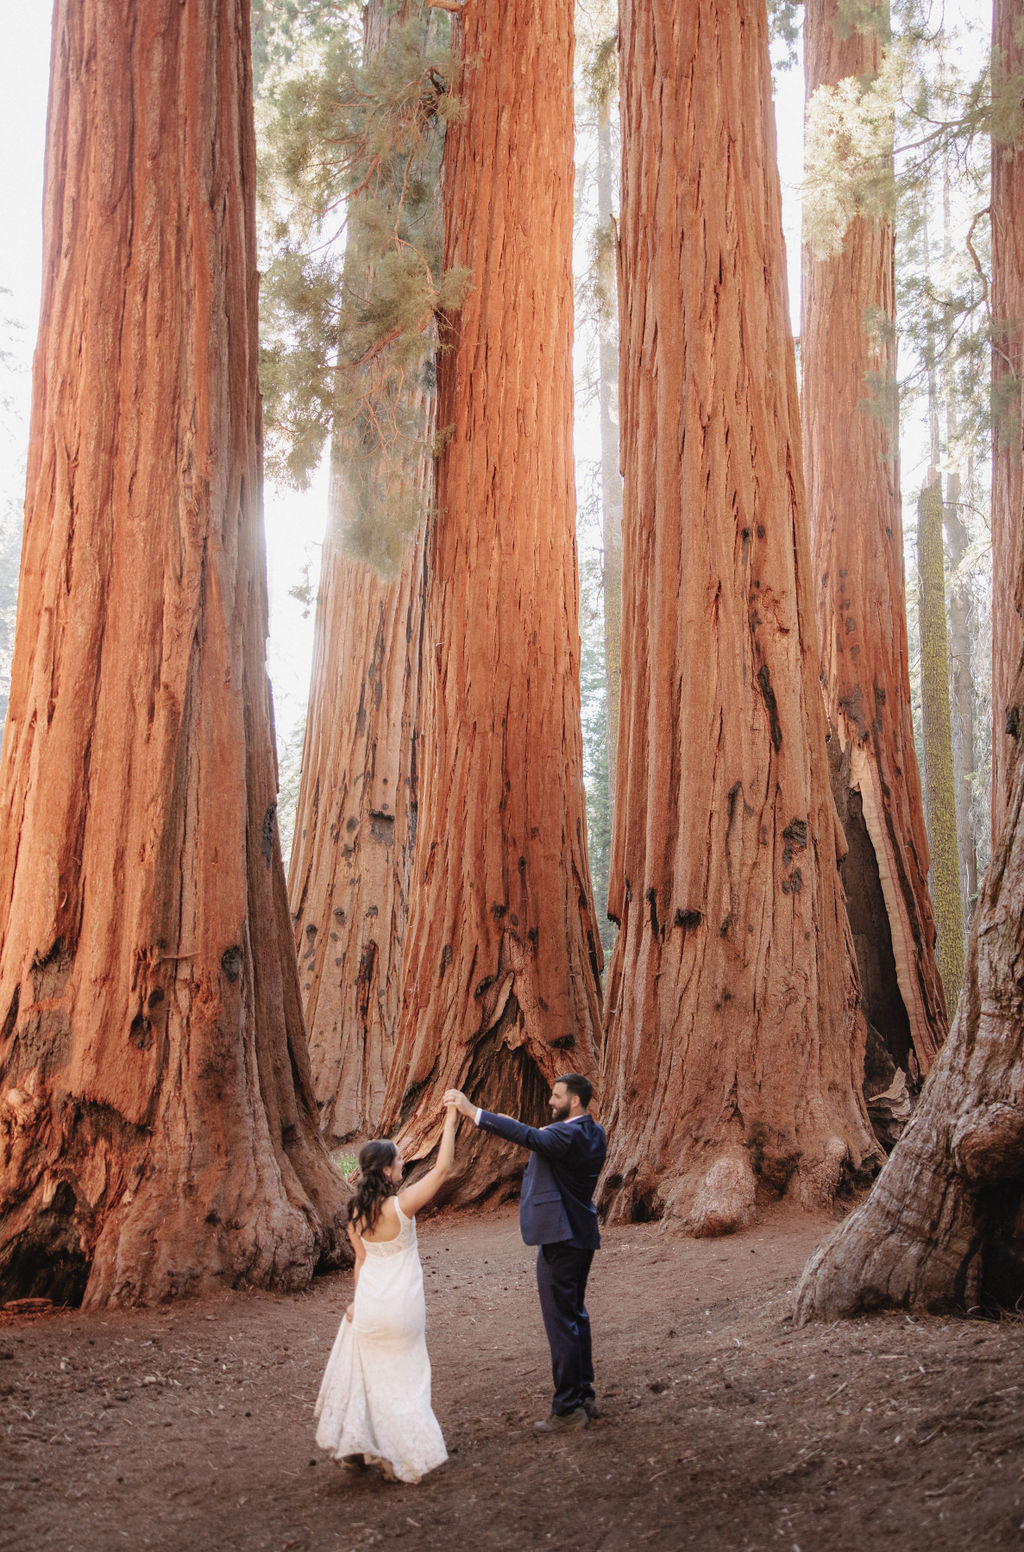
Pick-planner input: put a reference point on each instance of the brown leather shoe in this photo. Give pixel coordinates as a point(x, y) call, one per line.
point(562, 1422)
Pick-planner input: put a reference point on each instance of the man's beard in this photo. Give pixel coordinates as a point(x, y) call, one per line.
point(560, 1112)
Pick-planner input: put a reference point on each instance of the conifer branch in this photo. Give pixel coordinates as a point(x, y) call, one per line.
point(969, 245)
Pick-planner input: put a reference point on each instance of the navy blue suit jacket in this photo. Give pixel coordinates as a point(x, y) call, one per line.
point(556, 1205)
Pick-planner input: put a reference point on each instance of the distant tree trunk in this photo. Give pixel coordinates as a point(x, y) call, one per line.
point(501, 979)
point(937, 737)
point(611, 477)
point(157, 1115)
point(853, 496)
point(958, 607)
point(355, 828)
point(1007, 204)
point(962, 700)
point(355, 821)
point(735, 1040)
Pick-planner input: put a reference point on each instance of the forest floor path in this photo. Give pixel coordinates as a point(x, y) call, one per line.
point(723, 1426)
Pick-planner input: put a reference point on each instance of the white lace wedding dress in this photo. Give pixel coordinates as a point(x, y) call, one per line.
point(375, 1397)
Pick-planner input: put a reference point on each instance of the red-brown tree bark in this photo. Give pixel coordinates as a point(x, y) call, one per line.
point(158, 1121)
point(943, 1227)
point(501, 987)
point(355, 827)
point(1007, 205)
point(851, 438)
point(735, 1041)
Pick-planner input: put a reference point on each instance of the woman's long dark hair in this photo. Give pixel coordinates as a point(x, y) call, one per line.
point(372, 1187)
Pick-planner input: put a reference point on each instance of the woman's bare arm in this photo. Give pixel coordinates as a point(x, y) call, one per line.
point(416, 1196)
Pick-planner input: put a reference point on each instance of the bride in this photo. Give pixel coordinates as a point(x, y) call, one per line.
point(374, 1403)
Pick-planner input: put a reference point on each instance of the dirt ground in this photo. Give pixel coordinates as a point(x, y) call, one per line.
point(723, 1427)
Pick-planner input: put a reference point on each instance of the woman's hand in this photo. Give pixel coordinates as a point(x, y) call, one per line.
point(455, 1099)
point(350, 1311)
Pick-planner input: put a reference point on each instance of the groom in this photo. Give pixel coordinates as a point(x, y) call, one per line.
point(557, 1214)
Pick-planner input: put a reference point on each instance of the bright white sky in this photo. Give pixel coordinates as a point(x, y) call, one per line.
point(294, 523)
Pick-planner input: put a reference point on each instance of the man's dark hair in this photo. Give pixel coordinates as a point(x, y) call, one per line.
point(577, 1084)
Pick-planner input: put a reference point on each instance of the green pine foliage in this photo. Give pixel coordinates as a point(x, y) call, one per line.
point(784, 31)
point(354, 293)
point(283, 29)
point(870, 143)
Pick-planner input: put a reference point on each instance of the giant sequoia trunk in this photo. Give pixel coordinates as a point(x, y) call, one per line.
point(158, 1123)
point(1007, 204)
point(735, 1041)
point(853, 499)
point(355, 821)
point(943, 1227)
point(501, 987)
point(355, 827)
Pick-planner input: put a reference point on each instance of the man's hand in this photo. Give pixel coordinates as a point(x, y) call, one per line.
point(458, 1099)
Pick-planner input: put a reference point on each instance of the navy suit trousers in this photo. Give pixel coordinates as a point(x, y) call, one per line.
point(562, 1272)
